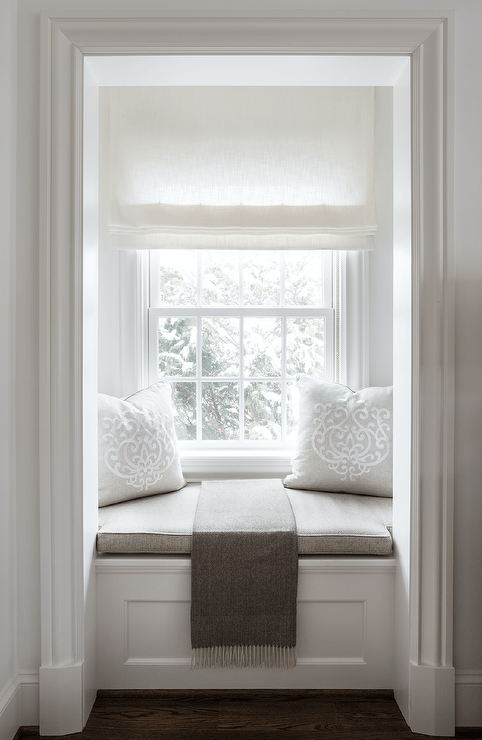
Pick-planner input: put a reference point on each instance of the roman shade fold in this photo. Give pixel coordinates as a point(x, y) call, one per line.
point(241, 167)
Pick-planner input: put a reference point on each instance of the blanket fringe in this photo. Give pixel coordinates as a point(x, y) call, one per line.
point(243, 656)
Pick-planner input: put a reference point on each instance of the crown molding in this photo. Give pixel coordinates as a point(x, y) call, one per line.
point(354, 34)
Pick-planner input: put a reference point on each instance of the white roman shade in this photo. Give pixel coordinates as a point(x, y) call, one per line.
point(241, 167)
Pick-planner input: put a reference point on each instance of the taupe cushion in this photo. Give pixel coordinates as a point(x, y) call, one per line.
point(327, 523)
point(344, 439)
point(137, 445)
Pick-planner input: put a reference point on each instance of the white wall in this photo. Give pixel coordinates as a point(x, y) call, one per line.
point(380, 264)
point(468, 361)
point(19, 288)
point(7, 353)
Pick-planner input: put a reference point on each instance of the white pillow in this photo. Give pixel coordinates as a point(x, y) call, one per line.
point(345, 439)
point(137, 446)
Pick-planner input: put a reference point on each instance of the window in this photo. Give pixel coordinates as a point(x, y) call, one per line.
point(232, 330)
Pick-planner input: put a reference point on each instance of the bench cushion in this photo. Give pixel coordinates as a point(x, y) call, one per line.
point(327, 523)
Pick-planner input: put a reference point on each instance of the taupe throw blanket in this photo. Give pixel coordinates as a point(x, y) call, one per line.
point(244, 560)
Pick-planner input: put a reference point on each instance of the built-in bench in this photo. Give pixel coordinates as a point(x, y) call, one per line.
point(345, 595)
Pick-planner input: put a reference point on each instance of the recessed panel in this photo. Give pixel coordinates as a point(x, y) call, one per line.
point(157, 631)
point(331, 631)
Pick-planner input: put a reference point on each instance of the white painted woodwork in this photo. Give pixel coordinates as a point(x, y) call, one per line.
point(402, 378)
point(65, 560)
point(90, 476)
point(345, 626)
point(19, 703)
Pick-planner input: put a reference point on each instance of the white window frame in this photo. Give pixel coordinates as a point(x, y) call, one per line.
point(350, 350)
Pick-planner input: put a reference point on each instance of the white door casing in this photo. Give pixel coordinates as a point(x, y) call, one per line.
point(424, 680)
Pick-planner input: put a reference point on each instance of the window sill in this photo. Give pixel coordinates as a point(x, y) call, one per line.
point(202, 464)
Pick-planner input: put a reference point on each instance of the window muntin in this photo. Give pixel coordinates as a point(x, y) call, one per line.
point(231, 330)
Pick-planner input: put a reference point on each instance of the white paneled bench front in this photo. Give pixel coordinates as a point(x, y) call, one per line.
point(345, 595)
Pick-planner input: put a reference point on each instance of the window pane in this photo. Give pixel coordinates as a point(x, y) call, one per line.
point(220, 278)
point(177, 346)
point(220, 347)
point(262, 346)
point(178, 278)
point(305, 346)
point(262, 411)
point(303, 279)
point(292, 408)
point(184, 406)
point(220, 410)
point(261, 278)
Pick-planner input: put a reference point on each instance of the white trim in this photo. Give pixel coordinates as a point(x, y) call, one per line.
point(432, 346)
point(468, 698)
point(351, 315)
point(178, 564)
point(19, 703)
point(299, 662)
point(434, 711)
point(143, 288)
point(61, 699)
point(426, 34)
point(203, 464)
point(272, 70)
point(10, 708)
point(153, 311)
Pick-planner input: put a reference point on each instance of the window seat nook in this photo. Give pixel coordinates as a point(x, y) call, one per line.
point(310, 561)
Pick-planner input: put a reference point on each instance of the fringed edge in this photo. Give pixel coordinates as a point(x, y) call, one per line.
point(243, 656)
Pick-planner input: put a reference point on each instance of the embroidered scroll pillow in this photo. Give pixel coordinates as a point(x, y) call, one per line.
point(137, 446)
point(344, 441)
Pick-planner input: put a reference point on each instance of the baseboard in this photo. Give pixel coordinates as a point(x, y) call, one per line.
point(432, 700)
point(19, 703)
point(61, 699)
point(468, 698)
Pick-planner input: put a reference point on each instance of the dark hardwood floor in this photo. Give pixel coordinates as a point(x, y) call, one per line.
point(232, 715)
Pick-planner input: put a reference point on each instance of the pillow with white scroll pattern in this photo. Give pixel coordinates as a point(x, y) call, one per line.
point(345, 439)
point(137, 445)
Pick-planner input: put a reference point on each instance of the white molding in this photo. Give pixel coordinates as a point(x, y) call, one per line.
point(432, 430)
point(60, 379)
point(29, 684)
point(249, 464)
point(426, 35)
point(142, 334)
point(368, 32)
point(10, 708)
point(468, 698)
point(178, 565)
point(434, 711)
point(299, 662)
point(61, 699)
point(19, 703)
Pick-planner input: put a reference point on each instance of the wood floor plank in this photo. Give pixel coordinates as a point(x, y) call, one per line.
point(155, 713)
point(307, 714)
point(283, 714)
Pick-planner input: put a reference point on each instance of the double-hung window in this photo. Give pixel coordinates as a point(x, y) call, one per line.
point(232, 331)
